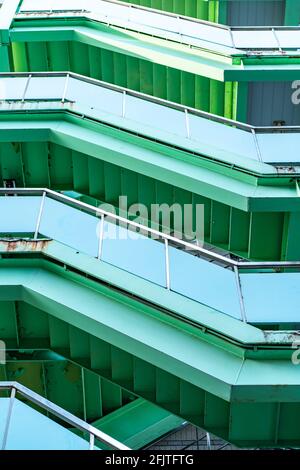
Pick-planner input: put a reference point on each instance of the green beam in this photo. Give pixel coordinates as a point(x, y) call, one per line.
point(138, 424)
point(252, 389)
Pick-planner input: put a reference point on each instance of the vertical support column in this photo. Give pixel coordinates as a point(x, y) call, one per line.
point(228, 100)
point(92, 442)
point(38, 223)
point(240, 294)
point(167, 264)
point(8, 419)
point(101, 233)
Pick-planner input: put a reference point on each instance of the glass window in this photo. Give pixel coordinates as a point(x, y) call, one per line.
point(156, 116)
point(279, 147)
point(12, 88)
point(70, 226)
point(45, 88)
point(134, 253)
point(271, 297)
point(229, 139)
point(87, 95)
point(204, 282)
point(19, 214)
point(254, 39)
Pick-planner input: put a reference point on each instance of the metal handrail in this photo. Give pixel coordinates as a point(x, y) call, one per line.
point(150, 10)
point(143, 228)
point(64, 415)
point(152, 99)
point(129, 7)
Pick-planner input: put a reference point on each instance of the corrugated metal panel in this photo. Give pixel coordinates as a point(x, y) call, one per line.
point(272, 101)
point(256, 13)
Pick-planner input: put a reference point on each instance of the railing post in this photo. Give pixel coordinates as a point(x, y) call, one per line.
point(26, 88)
point(187, 124)
point(38, 223)
point(256, 144)
point(65, 88)
point(11, 402)
point(92, 441)
point(167, 263)
point(124, 104)
point(208, 441)
point(240, 294)
point(101, 232)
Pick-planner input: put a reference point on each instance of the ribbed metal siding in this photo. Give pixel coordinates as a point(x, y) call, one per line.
point(255, 12)
point(272, 101)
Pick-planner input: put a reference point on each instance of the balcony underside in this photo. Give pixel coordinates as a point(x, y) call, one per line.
point(71, 154)
point(234, 392)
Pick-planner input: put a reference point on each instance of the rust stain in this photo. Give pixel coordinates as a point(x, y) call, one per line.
point(25, 245)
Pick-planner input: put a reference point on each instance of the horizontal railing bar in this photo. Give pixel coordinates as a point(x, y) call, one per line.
point(63, 414)
point(143, 228)
point(175, 15)
point(181, 18)
point(151, 99)
point(144, 8)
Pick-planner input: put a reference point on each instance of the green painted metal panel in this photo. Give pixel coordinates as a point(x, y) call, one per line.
point(216, 415)
point(192, 403)
point(37, 56)
point(112, 191)
point(58, 55)
point(92, 395)
point(220, 224)
point(80, 172)
point(201, 9)
point(239, 231)
point(29, 374)
point(79, 58)
point(138, 423)
point(292, 13)
point(101, 357)
point(11, 162)
point(290, 243)
point(265, 240)
point(130, 183)
point(19, 54)
point(122, 368)
point(168, 391)
point(96, 179)
point(35, 161)
point(216, 411)
point(60, 164)
point(111, 396)
point(265, 415)
point(65, 387)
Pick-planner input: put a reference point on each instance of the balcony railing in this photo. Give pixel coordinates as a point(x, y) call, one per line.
point(254, 292)
point(154, 118)
point(95, 436)
point(192, 32)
